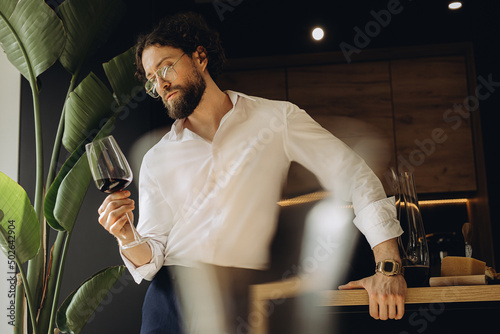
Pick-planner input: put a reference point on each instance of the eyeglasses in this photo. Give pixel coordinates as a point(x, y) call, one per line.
point(166, 73)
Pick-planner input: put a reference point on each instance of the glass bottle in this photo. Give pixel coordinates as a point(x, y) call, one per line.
point(412, 244)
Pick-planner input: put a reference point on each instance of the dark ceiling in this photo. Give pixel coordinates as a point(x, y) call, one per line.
point(270, 27)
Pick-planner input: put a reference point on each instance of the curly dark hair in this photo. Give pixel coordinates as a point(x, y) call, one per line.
point(185, 31)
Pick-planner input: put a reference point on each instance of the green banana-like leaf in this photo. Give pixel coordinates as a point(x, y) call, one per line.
point(7, 7)
point(71, 193)
point(79, 306)
point(88, 24)
point(86, 107)
point(52, 193)
point(121, 74)
point(31, 35)
point(65, 195)
point(20, 220)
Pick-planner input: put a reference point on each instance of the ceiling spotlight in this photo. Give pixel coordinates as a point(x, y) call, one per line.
point(318, 34)
point(453, 5)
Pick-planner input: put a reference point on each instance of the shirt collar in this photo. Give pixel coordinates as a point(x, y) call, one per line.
point(234, 96)
point(177, 132)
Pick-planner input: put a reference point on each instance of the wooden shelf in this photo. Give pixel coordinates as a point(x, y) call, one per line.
point(262, 294)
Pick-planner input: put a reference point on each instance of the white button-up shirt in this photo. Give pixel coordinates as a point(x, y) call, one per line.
point(216, 202)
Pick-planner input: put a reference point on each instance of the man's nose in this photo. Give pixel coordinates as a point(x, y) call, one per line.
point(162, 84)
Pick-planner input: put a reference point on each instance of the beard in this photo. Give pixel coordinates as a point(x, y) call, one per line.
point(188, 97)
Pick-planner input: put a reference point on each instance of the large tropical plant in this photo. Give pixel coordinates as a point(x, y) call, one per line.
point(34, 37)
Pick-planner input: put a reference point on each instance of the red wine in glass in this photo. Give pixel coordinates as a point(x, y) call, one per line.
point(110, 185)
point(111, 172)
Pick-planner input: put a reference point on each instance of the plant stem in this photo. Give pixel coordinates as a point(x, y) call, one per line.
point(20, 307)
point(59, 282)
point(37, 264)
point(50, 301)
point(29, 297)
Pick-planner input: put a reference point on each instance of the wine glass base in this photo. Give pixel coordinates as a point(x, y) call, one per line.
point(135, 243)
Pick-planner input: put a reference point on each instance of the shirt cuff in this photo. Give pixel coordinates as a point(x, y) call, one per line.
point(378, 221)
point(146, 271)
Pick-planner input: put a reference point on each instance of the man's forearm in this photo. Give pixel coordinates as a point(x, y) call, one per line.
point(387, 250)
point(138, 255)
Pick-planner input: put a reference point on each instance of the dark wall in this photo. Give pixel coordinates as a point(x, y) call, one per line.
point(250, 28)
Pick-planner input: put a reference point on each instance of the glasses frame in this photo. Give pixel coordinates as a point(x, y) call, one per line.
point(160, 73)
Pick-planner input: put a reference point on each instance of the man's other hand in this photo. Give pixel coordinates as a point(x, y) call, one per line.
point(386, 295)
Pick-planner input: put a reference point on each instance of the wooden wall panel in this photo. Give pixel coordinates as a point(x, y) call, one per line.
point(267, 83)
point(353, 101)
point(431, 140)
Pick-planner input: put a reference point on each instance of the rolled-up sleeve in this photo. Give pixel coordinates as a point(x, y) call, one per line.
point(148, 270)
point(378, 221)
point(155, 221)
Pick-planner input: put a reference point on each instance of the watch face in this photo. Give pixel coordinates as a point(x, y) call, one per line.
point(388, 266)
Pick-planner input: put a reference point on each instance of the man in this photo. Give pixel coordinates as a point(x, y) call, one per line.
point(208, 189)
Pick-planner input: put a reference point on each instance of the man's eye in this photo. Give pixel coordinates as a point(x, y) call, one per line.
point(162, 71)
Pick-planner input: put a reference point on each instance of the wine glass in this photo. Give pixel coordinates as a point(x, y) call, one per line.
point(111, 173)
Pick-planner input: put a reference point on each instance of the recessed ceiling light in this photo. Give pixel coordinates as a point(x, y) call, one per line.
point(455, 5)
point(318, 34)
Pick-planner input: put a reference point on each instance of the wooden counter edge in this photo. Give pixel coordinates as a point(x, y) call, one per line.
point(446, 294)
point(262, 295)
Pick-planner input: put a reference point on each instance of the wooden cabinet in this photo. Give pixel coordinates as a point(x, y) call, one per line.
point(401, 113)
point(432, 125)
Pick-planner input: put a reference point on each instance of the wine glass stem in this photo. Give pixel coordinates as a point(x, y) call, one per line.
point(137, 237)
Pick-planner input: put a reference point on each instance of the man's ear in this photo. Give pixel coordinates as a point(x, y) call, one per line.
point(200, 56)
